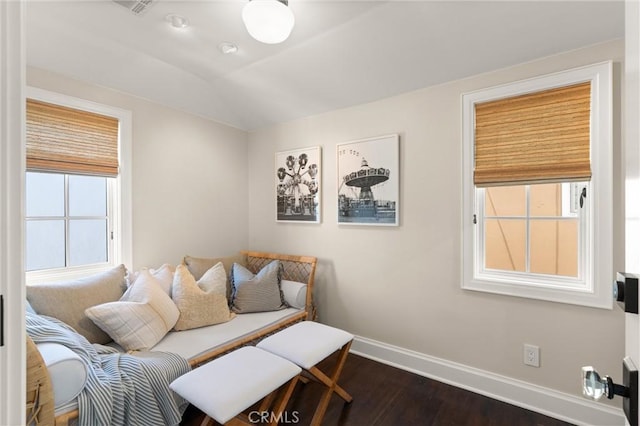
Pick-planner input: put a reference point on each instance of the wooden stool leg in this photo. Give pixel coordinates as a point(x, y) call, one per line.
point(331, 384)
point(206, 421)
point(283, 400)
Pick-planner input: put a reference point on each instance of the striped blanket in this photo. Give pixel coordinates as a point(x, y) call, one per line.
point(122, 388)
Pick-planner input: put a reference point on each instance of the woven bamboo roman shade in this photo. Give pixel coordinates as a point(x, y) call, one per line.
point(68, 140)
point(533, 138)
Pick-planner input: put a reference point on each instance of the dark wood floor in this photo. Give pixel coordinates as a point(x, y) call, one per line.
point(387, 396)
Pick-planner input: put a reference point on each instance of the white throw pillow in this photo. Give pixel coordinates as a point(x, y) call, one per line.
point(141, 318)
point(164, 275)
point(295, 293)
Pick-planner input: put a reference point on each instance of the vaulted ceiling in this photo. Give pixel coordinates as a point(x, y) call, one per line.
point(340, 53)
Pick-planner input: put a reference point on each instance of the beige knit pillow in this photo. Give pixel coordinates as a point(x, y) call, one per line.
point(199, 265)
point(201, 303)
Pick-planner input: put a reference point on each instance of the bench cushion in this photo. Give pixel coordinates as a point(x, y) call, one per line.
point(196, 342)
point(306, 343)
point(226, 386)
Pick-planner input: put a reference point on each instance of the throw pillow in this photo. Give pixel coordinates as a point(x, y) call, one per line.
point(257, 293)
point(67, 301)
point(203, 302)
point(295, 293)
point(164, 275)
point(199, 265)
point(141, 318)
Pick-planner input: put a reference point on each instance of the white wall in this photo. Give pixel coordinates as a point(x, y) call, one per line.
point(401, 286)
point(189, 176)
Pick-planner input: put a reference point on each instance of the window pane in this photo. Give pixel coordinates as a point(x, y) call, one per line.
point(505, 244)
point(87, 196)
point(44, 194)
point(505, 201)
point(44, 244)
point(87, 242)
point(554, 247)
point(546, 200)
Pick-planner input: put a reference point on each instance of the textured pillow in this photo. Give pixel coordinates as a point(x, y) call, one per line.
point(164, 275)
point(141, 318)
point(67, 301)
point(199, 265)
point(203, 302)
point(257, 293)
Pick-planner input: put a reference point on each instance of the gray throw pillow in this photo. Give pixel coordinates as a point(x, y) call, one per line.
point(257, 293)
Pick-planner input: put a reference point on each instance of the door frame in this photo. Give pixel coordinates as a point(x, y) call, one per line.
point(12, 113)
point(631, 112)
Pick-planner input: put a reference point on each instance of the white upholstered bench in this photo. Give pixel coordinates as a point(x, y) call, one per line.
point(227, 386)
point(306, 344)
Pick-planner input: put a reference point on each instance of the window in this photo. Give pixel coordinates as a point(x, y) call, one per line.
point(68, 220)
point(77, 210)
point(526, 230)
point(538, 188)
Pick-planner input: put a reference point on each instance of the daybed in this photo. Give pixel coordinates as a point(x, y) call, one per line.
point(200, 344)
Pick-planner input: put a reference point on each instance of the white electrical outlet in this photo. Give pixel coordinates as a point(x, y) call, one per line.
point(531, 355)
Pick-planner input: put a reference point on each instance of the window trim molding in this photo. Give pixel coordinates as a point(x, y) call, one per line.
point(599, 252)
point(122, 215)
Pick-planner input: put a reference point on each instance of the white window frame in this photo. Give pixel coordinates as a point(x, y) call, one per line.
point(121, 213)
point(595, 287)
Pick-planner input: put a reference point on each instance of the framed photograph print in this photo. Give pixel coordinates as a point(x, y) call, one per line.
point(298, 177)
point(368, 181)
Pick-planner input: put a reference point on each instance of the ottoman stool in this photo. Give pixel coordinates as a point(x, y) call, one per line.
point(226, 386)
point(306, 344)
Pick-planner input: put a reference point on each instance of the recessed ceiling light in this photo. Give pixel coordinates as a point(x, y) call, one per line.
point(177, 21)
point(228, 48)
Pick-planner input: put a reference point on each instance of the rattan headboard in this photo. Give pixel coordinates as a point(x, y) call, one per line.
point(295, 268)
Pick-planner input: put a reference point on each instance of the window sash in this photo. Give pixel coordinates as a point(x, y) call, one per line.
point(526, 276)
point(69, 140)
point(66, 217)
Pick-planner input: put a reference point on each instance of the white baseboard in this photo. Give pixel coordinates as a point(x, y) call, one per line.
point(543, 400)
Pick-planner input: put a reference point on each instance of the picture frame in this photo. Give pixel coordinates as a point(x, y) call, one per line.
point(298, 177)
point(368, 181)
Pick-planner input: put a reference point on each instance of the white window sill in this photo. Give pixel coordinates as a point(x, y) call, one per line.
point(575, 296)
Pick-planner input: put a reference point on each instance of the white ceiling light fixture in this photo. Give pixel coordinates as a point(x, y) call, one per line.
point(268, 21)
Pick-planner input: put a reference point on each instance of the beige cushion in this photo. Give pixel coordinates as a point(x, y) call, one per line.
point(67, 301)
point(199, 265)
point(203, 302)
point(141, 318)
point(257, 293)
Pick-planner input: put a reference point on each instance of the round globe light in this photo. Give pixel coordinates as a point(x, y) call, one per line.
point(268, 21)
